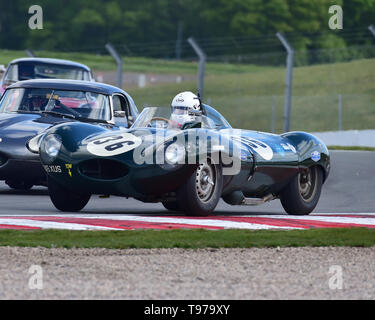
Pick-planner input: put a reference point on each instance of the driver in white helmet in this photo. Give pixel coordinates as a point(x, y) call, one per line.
point(183, 105)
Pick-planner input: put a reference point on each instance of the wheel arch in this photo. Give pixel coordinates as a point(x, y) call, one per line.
point(311, 151)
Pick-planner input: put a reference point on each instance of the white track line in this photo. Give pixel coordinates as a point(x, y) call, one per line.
point(208, 222)
point(200, 222)
point(189, 221)
point(327, 218)
point(343, 214)
point(51, 224)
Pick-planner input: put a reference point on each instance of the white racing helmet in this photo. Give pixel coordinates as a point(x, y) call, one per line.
point(182, 104)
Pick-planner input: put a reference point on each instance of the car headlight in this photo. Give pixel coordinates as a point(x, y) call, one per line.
point(50, 147)
point(175, 153)
point(34, 143)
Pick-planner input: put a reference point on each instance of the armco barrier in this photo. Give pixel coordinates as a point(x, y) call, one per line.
point(350, 138)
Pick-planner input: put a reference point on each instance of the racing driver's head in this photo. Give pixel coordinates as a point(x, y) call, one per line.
point(182, 105)
point(37, 102)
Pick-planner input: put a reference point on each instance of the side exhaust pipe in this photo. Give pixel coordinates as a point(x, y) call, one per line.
point(238, 198)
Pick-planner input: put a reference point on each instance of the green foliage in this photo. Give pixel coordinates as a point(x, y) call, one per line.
point(86, 25)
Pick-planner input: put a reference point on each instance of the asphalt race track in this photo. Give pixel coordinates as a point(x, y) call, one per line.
point(269, 273)
point(349, 190)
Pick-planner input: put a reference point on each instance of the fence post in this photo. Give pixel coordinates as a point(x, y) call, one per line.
point(30, 53)
point(118, 60)
point(372, 29)
point(288, 80)
point(201, 66)
point(273, 114)
point(340, 111)
point(179, 41)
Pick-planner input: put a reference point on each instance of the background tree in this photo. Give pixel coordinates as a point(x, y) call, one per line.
point(149, 27)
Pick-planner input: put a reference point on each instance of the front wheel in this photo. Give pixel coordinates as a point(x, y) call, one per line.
point(171, 206)
point(19, 185)
point(199, 195)
point(66, 200)
point(302, 194)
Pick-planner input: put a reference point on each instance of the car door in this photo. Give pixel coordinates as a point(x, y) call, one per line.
point(120, 110)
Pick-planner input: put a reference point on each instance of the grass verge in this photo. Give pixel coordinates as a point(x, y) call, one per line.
point(254, 100)
point(200, 238)
point(252, 96)
point(105, 62)
point(351, 148)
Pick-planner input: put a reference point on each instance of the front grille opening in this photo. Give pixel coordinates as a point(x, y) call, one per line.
point(3, 159)
point(103, 169)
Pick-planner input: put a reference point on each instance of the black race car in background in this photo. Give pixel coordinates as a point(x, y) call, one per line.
point(43, 68)
point(28, 108)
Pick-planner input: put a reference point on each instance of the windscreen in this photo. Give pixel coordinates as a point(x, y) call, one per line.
point(168, 118)
point(25, 71)
point(82, 104)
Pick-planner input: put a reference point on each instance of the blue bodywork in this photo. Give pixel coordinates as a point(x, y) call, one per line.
point(17, 162)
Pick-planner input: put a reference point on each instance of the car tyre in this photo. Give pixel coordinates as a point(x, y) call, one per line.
point(199, 195)
point(19, 185)
point(302, 194)
point(66, 200)
point(171, 205)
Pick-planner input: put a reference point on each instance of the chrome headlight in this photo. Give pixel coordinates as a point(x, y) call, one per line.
point(50, 147)
point(175, 153)
point(34, 143)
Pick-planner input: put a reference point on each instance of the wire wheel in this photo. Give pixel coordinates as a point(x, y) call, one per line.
point(307, 184)
point(205, 181)
point(302, 194)
point(201, 192)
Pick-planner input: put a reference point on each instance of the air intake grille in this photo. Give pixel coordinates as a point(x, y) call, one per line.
point(103, 169)
point(3, 159)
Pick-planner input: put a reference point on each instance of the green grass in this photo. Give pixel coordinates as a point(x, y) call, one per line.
point(246, 99)
point(351, 148)
point(245, 93)
point(354, 237)
point(104, 62)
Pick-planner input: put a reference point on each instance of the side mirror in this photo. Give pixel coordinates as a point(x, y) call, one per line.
point(119, 114)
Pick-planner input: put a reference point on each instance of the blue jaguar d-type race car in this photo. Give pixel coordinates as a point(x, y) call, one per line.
point(186, 156)
point(29, 108)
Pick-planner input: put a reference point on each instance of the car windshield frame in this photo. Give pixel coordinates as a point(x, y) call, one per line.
point(148, 113)
point(77, 104)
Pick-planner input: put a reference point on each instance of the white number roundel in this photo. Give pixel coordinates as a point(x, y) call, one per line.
point(111, 145)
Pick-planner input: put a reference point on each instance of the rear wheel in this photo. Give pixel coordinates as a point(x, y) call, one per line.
point(64, 199)
point(302, 194)
point(199, 195)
